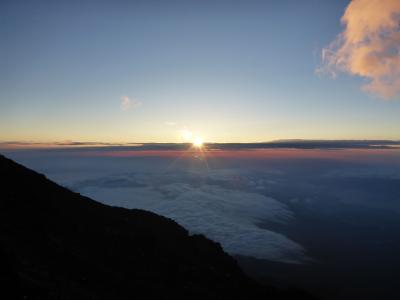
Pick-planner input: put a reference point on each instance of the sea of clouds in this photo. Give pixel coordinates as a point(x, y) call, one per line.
point(204, 204)
point(235, 202)
point(225, 204)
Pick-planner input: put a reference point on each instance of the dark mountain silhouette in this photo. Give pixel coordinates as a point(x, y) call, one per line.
point(57, 244)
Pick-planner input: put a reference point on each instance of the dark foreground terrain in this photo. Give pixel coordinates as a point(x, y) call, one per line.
point(57, 244)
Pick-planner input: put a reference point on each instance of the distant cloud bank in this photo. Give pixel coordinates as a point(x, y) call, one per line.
point(369, 46)
point(280, 144)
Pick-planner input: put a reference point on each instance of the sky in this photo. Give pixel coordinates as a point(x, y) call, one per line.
point(225, 71)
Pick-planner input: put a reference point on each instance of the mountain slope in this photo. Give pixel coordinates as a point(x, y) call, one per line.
point(57, 244)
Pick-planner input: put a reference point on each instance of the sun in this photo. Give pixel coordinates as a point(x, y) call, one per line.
point(197, 142)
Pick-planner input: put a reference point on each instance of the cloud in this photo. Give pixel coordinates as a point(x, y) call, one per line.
point(128, 103)
point(206, 202)
point(169, 123)
point(61, 144)
point(226, 202)
point(225, 215)
point(369, 46)
point(187, 136)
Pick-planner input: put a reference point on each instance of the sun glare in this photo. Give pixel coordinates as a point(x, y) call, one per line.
point(198, 142)
point(186, 134)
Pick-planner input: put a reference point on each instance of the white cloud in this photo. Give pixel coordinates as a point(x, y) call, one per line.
point(128, 103)
point(227, 216)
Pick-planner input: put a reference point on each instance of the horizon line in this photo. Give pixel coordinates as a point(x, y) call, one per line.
point(281, 143)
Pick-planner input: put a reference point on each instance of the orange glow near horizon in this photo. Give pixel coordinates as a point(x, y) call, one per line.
point(284, 153)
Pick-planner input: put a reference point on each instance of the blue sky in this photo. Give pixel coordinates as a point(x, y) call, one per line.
point(229, 71)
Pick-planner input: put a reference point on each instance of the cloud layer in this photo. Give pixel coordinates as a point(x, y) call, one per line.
point(187, 136)
point(369, 46)
point(258, 208)
point(223, 214)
